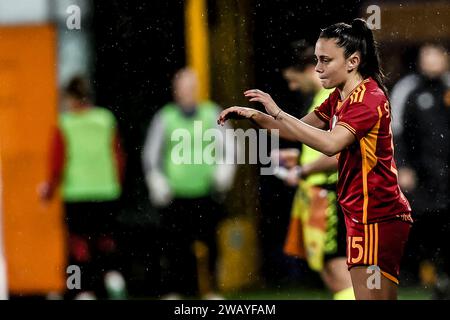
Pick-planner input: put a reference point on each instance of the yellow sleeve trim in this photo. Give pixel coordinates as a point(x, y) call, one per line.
point(322, 115)
point(346, 125)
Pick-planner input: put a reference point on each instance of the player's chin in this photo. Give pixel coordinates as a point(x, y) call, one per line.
point(326, 83)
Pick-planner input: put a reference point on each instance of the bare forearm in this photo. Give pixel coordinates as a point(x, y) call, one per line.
point(318, 139)
point(313, 120)
point(268, 122)
point(309, 133)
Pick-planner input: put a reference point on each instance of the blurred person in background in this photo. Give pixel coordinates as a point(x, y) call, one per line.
point(87, 164)
point(186, 193)
point(432, 63)
point(317, 228)
point(424, 169)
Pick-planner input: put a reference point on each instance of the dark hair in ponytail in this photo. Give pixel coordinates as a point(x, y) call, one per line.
point(358, 37)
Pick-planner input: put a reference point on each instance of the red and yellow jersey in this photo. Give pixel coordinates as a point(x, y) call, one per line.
point(368, 189)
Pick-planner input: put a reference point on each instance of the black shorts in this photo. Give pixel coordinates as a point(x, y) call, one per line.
point(87, 218)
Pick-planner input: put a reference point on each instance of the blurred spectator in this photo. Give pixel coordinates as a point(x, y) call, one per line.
point(432, 63)
point(185, 192)
point(317, 229)
point(424, 171)
point(86, 160)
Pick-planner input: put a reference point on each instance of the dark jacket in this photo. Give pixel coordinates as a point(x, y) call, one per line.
point(425, 144)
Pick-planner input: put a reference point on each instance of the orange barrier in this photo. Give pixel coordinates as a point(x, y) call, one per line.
point(34, 233)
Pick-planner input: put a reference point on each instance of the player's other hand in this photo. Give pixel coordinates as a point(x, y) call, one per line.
point(287, 157)
point(236, 113)
point(407, 179)
point(292, 178)
point(256, 95)
point(45, 192)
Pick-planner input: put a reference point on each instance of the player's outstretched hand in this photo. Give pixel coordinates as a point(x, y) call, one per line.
point(256, 95)
point(236, 113)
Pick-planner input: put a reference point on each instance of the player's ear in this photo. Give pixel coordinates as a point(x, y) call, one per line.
point(353, 62)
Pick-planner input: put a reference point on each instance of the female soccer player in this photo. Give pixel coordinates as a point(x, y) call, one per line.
point(354, 124)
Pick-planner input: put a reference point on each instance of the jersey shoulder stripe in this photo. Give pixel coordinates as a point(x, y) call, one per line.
point(359, 94)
